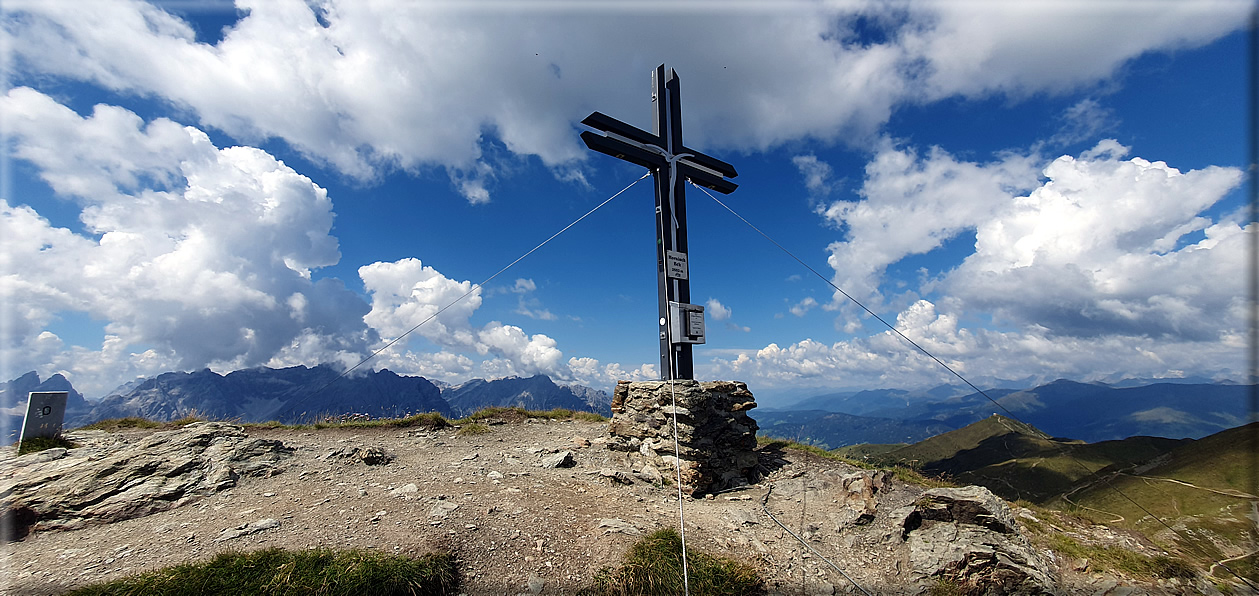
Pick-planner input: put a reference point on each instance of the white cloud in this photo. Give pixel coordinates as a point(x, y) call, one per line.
point(198, 255)
point(911, 205)
point(817, 174)
point(1101, 248)
point(1021, 48)
point(524, 286)
point(1093, 249)
point(203, 257)
point(802, 307)
point(528, 306)
point(983, 356)
point(407, 293)
point(717, 310)
point(1106, 265)
point(387, 84)
point(1084, 120)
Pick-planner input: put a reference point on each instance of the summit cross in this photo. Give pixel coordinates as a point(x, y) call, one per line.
point(671, 164)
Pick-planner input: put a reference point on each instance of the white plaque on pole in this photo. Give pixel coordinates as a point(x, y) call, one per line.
point(45, 412)
point(675, 264)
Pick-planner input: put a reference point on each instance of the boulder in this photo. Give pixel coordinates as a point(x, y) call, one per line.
point(114, 477)
point(968, 537)
point(858, 493)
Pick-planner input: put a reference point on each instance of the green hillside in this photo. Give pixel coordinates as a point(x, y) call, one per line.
point(868, 451)
point(1016, 461)
point(1203, 488)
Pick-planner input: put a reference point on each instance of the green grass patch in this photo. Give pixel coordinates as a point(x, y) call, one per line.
point(1103, 558)
point(945, 587)
point(429, 420)
point(518, 414)
point(769, 443)
point(115, 424)
point(589, 417)
point(911, 476)
point(135, 422)
point(35, 444)
point(276, 571)
point(473, 428)
point(653, 566)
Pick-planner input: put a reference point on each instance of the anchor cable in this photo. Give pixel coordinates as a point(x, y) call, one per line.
point(677, 451)
point(765, 508)
point(476, 287)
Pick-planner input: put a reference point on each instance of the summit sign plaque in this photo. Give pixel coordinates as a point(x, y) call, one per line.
point(45, 413)
point(675, 265)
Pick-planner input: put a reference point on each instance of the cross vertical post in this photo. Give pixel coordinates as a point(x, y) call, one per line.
point(672, 164)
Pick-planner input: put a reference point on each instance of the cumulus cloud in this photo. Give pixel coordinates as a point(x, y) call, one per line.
point(371, 86)
point(817, 174)
point(1095, 263)
point(407, 293)
point(911, 205)
point(802, 307)
point(717, 310)
point(198, 256)
point(984, 356)
point(1104, 247)
point(202, 254)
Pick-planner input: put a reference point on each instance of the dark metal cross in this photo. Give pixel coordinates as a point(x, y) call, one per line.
point(671, 164)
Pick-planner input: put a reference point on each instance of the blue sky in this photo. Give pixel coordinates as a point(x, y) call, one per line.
point(1031, 191)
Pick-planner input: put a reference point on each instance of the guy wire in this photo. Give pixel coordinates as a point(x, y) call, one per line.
point(476, 287)
point(677, 452)
point(1060, 448)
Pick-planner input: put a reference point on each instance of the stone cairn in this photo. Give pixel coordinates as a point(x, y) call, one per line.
point(716, 437)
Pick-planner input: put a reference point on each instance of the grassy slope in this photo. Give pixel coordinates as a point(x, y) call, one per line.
point(1212, 513)
point(1016, 461)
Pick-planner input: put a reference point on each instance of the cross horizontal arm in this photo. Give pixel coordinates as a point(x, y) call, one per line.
point(606, 123)
point(622, 150)
point(703, 178)
point(635, 145)
point(711, 163)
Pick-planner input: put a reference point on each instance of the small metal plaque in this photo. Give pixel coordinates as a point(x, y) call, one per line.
point(675, 264)
point(687, 324)
point(45, 413)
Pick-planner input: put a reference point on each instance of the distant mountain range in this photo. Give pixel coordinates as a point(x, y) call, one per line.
point(1086, 411)
point(1090, 412)
point(296, 395)
point(532, 393)
point(830, 430)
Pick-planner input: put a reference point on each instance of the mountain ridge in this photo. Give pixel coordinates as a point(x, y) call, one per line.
point(300, 394)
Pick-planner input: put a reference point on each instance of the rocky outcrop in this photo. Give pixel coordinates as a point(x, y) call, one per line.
point(113, 477)
point(968, 537)
point(858, 492)
point(716, 439)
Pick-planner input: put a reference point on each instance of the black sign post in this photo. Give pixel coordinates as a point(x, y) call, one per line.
point(671, 164)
